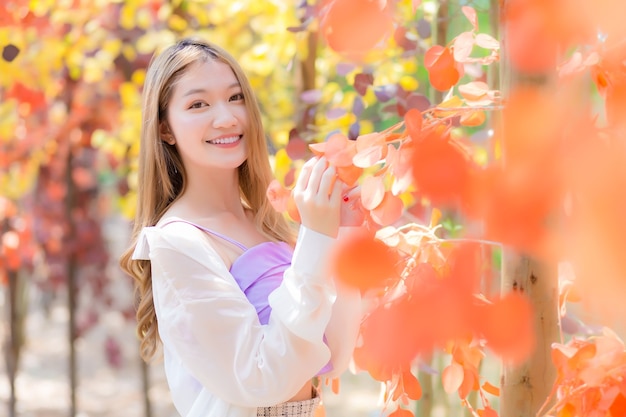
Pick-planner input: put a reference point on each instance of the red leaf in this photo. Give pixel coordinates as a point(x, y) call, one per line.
point(362, 81)
point(296, 148)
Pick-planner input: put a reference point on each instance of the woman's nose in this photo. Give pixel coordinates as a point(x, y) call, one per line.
point(223, 117)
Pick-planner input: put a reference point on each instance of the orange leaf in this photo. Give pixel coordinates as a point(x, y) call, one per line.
point(444, 79)
point(440, 169)
point(491, 389)
point(355, 26)
point(389, 210)
point(368, 140)
point(412, 385)
point(318, 149)
point(452, 102)
point(389, 339)
point(470, 383)
point(452, 377)
point(474, 91)
point(473, 118)
point(568, 410)
point(340, 150)
point(349, 174)
point(487, 41)
point(401, 412)
point(372, 192)
point(292, 210)
point(413, 121)
point(489, 412)
point(368, 157)
point(463, 45)
point(362, 261)
point(508, 327)
point(335, 385)
point(470, 13)
point(278, 196)
point(442, 70)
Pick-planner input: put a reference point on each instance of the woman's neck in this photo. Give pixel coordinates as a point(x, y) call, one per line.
point(208, 194)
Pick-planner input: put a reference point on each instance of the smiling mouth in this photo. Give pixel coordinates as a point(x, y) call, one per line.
point(225, 141)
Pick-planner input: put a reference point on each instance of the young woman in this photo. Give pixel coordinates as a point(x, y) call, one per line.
point(246, 313)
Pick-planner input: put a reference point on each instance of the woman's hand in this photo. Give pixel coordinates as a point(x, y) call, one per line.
point(317, 195)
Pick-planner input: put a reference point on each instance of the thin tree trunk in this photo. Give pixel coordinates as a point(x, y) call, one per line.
point(425, 404)
point(11, 343)
point(17, 307)
point(145, 381)
point(308, 73)
point(71, 282)
point(525, 386)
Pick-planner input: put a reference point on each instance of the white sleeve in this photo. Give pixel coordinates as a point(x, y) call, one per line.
point(343, 329)
point(205, 319)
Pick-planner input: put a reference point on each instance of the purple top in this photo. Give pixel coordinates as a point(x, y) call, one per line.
point(259, 271)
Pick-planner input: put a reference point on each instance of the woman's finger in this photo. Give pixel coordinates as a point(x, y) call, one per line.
point(315, 178)
point(305, 173)
point(326, 183)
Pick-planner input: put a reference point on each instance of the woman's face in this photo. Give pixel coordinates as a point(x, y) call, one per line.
point(207, 117)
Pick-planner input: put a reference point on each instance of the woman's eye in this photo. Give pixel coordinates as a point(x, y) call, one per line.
point(237, 97)
point(196, 105)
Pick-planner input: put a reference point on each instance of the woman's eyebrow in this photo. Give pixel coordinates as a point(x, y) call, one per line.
point(202, 90)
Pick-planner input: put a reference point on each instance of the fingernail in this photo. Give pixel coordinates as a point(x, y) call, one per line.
point(346, 198)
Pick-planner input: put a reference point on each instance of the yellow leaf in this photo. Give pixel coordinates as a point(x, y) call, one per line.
point(409, 83)
point(177, 23)
point(452, 102)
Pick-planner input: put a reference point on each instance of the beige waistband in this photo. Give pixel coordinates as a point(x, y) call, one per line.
point(304, 408)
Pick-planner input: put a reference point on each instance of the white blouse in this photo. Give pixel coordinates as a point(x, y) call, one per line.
point(219, 360)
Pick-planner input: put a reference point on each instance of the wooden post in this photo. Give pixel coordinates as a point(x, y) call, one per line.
point(17, 306)
point(525, 386)
point(71, 269)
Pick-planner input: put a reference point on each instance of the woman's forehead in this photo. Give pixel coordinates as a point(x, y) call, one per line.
point(206, 75)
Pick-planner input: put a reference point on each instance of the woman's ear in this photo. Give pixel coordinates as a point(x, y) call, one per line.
point(166, 134)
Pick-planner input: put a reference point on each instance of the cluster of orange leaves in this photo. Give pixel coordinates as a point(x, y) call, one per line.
point(414, 274)
point(591, 378)
point(544, 178)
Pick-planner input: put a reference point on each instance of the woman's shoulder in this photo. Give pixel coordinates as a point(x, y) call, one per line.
point(171, 233)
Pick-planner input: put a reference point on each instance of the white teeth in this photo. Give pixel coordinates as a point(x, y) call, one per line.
point(223, 141)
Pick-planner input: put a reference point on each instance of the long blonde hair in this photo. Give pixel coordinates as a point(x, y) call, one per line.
point(162, 178)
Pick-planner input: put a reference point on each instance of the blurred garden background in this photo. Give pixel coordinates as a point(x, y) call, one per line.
point(71, 76)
